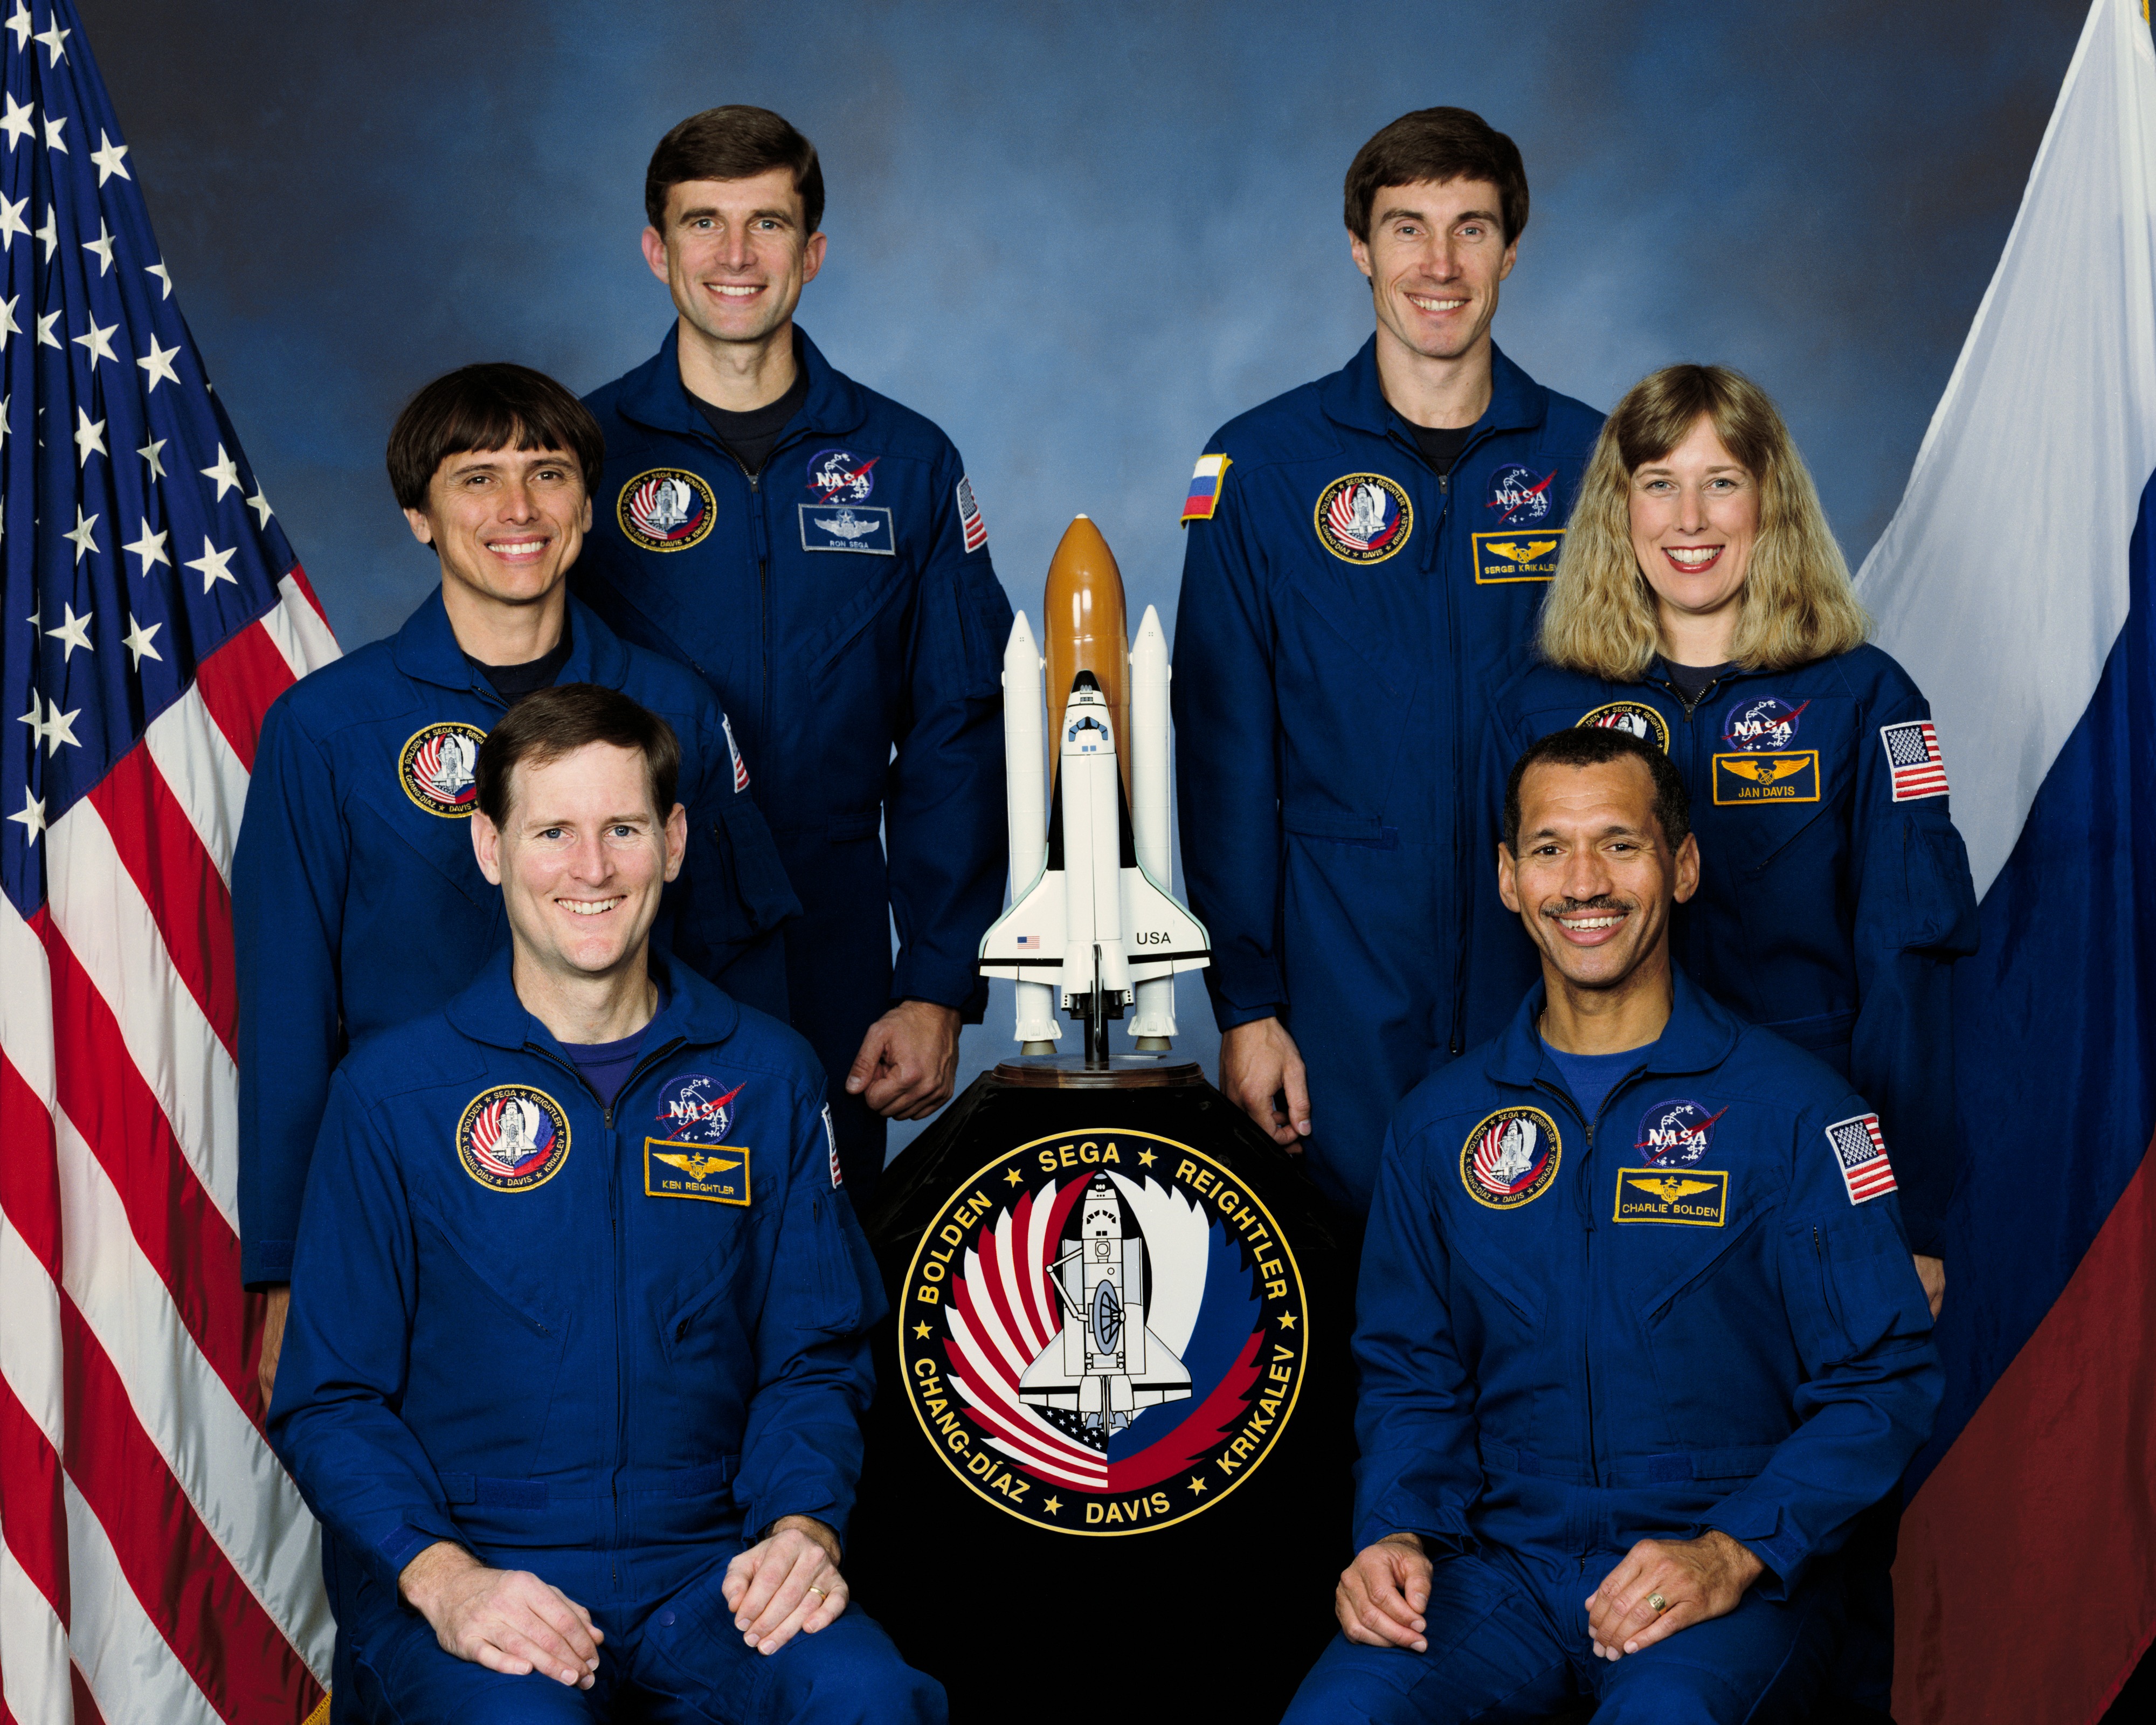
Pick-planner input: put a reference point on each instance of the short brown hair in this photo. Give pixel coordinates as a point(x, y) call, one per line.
point(735, 143)
point(550, 723)
point(494, 406)
point(1594, 746)
point(1798, 604)
point(1438, 145)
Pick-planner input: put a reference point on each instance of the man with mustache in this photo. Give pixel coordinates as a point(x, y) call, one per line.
point(1625, 1384)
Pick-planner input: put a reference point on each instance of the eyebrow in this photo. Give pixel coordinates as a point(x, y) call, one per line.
point(1617, 831)
point(754, 215)
point(1416, 215)
point(1665, 467)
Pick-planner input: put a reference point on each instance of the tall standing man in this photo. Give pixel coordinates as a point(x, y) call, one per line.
point(814, 550)
point(1366, 555)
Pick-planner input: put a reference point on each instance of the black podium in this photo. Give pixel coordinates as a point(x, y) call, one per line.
point(1108, 1472)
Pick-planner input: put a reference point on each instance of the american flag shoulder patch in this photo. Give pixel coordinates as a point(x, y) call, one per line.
point(1913, 759)
point(976, 529)
point(1206, 480)
point(1860, 1153)
point(733, 748)
point(831, 1144)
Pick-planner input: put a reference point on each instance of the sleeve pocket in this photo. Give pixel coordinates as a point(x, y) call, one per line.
point(760, 896)
point(1871, 1287)
point(1939, 896)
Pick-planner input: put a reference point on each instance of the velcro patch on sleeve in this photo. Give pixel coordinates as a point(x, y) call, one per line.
point(1860, 1152)
point(1914, 760)
point(975, 529)
point(1206, 480)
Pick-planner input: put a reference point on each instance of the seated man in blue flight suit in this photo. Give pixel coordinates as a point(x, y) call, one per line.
point(578, 1350)
point(1619, 1406)
point(357, 903)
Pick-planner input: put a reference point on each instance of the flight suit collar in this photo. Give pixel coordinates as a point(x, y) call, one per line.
point(426, 650)
point(1353, 397)
point(1699, 1037)
point(690, 1008)
point(654, 395)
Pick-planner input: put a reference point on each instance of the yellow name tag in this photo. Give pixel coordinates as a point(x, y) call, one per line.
point(1767, 779)
point(1696, 1196)
point(718, 1174)
point(1517, 556)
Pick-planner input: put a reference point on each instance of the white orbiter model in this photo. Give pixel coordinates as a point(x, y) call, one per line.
point(1092, 927)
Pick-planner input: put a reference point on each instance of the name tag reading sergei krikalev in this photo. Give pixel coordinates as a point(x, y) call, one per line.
point(826, 527)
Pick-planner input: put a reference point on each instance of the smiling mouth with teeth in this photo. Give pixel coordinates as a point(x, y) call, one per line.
point(587, 907)
point(1691, 557)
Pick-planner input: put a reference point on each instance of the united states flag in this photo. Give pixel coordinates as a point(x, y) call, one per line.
point(1913, 757)
point(1862, 1152)
point(156, 1562)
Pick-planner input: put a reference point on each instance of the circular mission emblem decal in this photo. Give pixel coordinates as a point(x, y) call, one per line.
point(1102, 1333)
point(435, 767)
point(513, 1138)
point(1363, 518)
point(1510, 1158)
point(1636, 717)
point(666, 509)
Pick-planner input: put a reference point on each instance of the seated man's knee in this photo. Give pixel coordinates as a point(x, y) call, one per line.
point(852, 1674)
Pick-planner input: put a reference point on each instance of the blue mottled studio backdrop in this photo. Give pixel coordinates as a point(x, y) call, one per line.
point(1079, 237)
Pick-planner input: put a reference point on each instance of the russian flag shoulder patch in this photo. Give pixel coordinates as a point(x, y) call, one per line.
point(1206, 480)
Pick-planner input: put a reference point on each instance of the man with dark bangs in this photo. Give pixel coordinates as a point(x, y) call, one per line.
point(357, 903)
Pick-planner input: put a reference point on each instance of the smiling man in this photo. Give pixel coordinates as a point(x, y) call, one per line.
point(815, 552)
point(579, 1344)
point(357, 903)
point(1639, 1333)
point(1364, 560)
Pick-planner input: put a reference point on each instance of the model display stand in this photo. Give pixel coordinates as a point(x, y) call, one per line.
point(1109, 1464)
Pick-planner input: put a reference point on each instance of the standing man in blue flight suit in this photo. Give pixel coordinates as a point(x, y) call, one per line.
point(357, 903)
point(1639, 1332)
point(1364, 560)
point(578, 1345)
point(815, 552)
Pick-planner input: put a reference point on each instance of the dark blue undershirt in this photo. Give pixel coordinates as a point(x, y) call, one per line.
point(606, 1065)
point(1590, 1078)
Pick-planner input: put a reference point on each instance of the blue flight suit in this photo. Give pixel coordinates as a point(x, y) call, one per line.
point(358, 902)
point(1329, 694)
point(1827, 910)
point(1695, 1311)
point(842, 603)
point(607, 1345)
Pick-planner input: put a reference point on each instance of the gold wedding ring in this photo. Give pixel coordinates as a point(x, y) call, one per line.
point(821, 1594)
point(1658, 1602)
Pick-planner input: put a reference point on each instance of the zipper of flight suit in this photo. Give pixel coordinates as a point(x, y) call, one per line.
point(620, 1274)
point(1691, 747)
point(1456, 1031)
point(1587, 1210)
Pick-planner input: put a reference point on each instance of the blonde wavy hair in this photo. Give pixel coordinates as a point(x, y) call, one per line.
point(1798, 604)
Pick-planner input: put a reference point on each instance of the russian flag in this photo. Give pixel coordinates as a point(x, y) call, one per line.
point(2014, 582)
point(1204, 488)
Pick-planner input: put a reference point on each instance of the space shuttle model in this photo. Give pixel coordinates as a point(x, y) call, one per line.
point(1092, 928)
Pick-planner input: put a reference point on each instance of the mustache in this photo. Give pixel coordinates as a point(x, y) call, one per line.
point(1575, 907)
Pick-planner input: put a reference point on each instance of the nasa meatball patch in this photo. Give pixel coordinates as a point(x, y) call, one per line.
point(841, 476)
point(1762, 723)
point(666, 509)
point(696, 1111)
point(436, 766)
point(512, 1137)
point(1510, 1158)
point(1519, 496)
point(1636, 717)
point(1677, 1132)
point(1102, 1333)
point(1363, 518)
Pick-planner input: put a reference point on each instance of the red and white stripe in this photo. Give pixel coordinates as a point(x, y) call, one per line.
point(1859, 1150)
point(1914, 757)
point(156, 1561)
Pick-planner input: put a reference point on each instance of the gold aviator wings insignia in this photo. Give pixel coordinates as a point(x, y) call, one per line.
point(1527, 552)
point(699, 1167)
point(1670, 1188)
